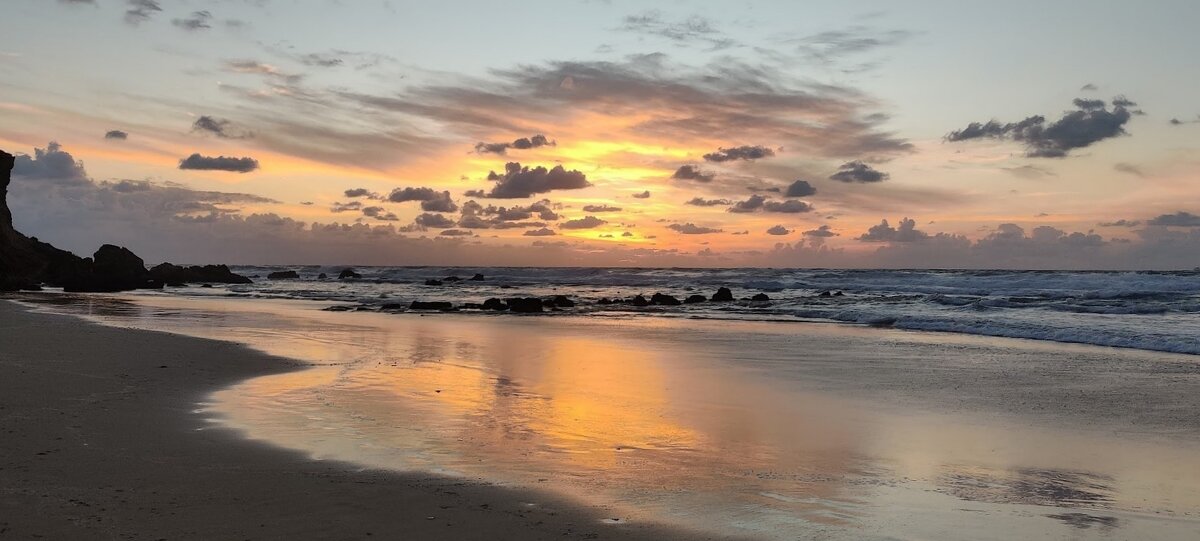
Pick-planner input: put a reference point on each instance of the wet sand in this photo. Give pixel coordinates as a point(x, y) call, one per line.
point(763, 430)
point(100, 439)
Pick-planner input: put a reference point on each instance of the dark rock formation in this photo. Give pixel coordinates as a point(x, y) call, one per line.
point(284, 275)
point(477, 278)
point(525, 305)
point(432, 282)
point(664, 300)
point(722, 295)
point(322, 276)
point(639, 301)
point(392, 307)
point(760, 297)
point(430, 305)
point(693, 299)
point(348, 274)
point(561, 301)
point(176, 275)
point(112, 268)
point(26, 262)
point(451, 279)
point(494, 304)
point(605, 301)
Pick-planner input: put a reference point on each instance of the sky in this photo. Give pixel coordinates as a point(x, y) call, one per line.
point(1035, 135)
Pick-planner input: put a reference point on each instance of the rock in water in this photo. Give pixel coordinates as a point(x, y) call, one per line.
point(664, 300)
point(175, 274)
point(283, 275)
point(760, 297)
point(693, 299)
point(430, 305)
point(348, 274)
point(525, 305)
point(494, 304)
point(432, 282)
point(477, 278)
point(723, 295)
point(639, 301)
point(561, 301)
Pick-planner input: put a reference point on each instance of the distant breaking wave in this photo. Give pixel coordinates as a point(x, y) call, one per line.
point(1157, 311)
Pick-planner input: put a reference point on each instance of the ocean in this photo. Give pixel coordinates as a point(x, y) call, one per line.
point(1154, 311)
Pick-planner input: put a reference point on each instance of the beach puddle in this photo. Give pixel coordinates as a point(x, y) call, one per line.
point(739, 428)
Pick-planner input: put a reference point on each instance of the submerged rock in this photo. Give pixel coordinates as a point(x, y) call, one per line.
point(283, 275)
point(561, 301)
point(693, 299)
point(494, 304)
point(639, 301)
point(722, 295)
point(760, 297)
point(451, 279)
point(348, 274)
point(432, 282)
point(477, 278)
point(322, 276)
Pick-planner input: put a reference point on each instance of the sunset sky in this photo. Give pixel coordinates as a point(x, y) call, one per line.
point(1001, 134)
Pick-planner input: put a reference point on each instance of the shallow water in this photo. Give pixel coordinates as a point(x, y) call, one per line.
point(778, 430)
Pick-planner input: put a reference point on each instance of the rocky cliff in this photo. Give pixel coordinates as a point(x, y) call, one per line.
point(27, 263)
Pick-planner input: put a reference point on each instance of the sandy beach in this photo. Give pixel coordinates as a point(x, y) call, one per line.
point(333, 425)
point(101, 441)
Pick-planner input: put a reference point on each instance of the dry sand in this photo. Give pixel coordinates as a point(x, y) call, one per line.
point(99, 439)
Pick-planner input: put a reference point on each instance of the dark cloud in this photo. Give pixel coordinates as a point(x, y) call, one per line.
point(380, 213)
point(455, 233)
point(745, 152)
point(693, 229)
point(1088, 88)
point(701, 202)
point(1179, 219)
point(431, 220)
point(779, 230)
point(431, 200)
point(116, 134)
point(218, 163)
point(360, 192)
point(51, 163)
point(543, 232)
point(520, 182)
point(523, 143)
point(587, 222)
point(1177, 122)
point(643, 195)
point(219, 127)
point(198, 20)
point(692, 30)
point(477, 216)
point(800, 188)
point(346, 207)
point(691, 172)
point(820, 232)
point(857, 171)
point(1121, 223)
point(1090, 123)
point(140, 11)
point(601, 208)
point(758, 203)
point(884, 232)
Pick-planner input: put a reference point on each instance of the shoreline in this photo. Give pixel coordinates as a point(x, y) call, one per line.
point(102, 439)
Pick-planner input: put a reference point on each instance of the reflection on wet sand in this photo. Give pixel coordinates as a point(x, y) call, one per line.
point(651, 420)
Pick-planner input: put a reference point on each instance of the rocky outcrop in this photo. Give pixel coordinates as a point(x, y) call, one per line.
point(693, 299)
point(760, 297)
point(664, 300)
point(283, 275)
point(722, 295)
point(477, 278)
point(176, 275)
point(348, 274)
point(430, 305)
point(525, 305)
